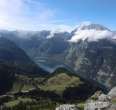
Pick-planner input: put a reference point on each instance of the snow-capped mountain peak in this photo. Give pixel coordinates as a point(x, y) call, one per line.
point(92, 32)
point(91, 26)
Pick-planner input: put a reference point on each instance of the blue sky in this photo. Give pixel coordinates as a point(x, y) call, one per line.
point(55, 14)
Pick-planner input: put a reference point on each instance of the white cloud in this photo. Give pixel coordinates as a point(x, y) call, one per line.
point(91, 35)
point(59, 29)
point(28, 15)
point(24, 14)
point(91, 32)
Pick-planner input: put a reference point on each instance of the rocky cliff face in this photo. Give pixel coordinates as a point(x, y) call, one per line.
point(94, 60)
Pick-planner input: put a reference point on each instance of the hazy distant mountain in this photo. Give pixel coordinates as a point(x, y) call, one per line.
point(41, 44)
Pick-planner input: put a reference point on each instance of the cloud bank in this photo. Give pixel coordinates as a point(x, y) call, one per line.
point(91, 35)
point(91, 32)
point(26, 15)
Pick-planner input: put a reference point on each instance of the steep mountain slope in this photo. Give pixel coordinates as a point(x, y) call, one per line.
point(6, 77)
point(55, 47)
point(95, 60)
point(30, 41)
point(92, 54)
point(41, 45)
point(10, 54)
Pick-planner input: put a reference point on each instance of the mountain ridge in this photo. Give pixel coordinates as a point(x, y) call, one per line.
point(91, 58)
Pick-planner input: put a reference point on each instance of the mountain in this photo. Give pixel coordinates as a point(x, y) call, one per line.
point(89, 50)
point(27, 40)
point(33, 42)
point(46, 92)
point(11, 54)
point(94, 60)
point(55, 47)
point(91, 32)
point(92, 53)
point(41, 45)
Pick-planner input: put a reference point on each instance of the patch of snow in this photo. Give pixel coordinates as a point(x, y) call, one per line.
point(60, 29)
point(52, 33)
